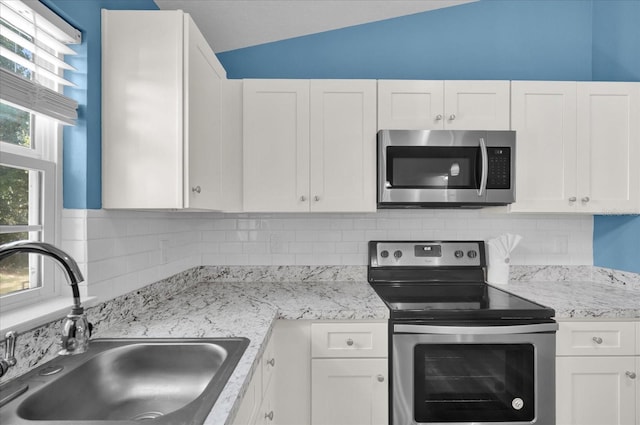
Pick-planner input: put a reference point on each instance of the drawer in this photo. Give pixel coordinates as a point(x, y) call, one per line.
point(349, 339)
point(593, 338)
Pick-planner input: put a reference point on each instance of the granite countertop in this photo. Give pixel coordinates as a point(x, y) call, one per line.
point(246, 302)
point(248, 309)
point(581, 299)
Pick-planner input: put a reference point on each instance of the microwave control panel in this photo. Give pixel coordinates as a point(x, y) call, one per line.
point(499, 173)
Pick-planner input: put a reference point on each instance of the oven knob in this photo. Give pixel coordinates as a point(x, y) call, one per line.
point(384, 254)
point(397, 254)
point(458, 254)
point(472, 254)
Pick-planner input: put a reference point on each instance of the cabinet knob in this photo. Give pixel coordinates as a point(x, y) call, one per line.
point(597, 340)
point(380, 378)
point(269, 415)
point(271, 362)
point(349, 342)
point(452, 117)
point(316, 198)
point(196, 189)
point(585, 199)
point(573, 199)
point(303, 198)
point(438, 117)
point(631, 375)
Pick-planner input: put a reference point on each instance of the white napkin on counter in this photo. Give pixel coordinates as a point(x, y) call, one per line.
point(499, 253)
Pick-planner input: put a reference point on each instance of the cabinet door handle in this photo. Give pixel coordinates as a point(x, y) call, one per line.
point(597, 340)
point(303, 198)
point(585, 199)
point(271, 362)
point(573, 199)
point(452, 117)
point(269, 415)
point(196, 189)
point(349, 342)
point(380, 378)
point(316, 198)
point(438, 117)
point(630, 374)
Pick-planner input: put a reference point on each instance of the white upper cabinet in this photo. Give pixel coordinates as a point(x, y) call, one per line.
point(161, 106)
point(309, 145)
point(276, 145)
point(609, 147)
point(451, 104)
point(576, 146)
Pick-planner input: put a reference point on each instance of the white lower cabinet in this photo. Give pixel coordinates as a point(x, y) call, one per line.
point(257, 406)
point(349, 391)
point(597, 368)
point(320, 373)
point(349, 374)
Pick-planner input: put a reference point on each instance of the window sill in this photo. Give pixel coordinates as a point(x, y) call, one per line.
point(29, 317)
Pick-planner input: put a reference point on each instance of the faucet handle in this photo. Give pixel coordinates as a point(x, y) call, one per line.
point(9, 358)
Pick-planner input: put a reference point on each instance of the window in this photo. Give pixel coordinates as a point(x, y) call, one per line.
point(33, 42)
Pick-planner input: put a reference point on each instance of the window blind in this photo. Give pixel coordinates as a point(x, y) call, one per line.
point(33, 45)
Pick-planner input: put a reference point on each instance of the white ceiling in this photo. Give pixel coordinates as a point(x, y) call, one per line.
point(233, 24)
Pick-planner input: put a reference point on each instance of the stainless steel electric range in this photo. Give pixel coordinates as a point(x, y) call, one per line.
point(461, 351)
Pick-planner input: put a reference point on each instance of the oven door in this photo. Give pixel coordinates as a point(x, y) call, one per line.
point(473, 374)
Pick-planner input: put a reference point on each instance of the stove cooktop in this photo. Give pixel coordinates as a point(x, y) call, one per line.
point(434, 280)
point(457, 301)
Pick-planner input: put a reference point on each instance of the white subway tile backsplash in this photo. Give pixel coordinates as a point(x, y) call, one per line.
point(120, 251)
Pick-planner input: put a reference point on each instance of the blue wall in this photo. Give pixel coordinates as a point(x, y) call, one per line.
point(489, 39)
point(501, 39)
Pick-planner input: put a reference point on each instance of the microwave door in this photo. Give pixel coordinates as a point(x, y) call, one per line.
point(434, 174)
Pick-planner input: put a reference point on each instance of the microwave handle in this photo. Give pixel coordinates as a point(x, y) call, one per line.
point(485, 167)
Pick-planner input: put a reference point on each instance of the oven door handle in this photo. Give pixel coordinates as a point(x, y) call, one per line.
point(475, 330)
point(485, 167)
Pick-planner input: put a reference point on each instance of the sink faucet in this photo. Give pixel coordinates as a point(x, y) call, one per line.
point(76, 329)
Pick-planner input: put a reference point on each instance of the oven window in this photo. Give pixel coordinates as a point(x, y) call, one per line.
point(474, 382)
point(414, 167)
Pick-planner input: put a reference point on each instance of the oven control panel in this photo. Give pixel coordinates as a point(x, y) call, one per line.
point(426, 253)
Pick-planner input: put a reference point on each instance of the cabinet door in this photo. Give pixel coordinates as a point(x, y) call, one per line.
point(595, 391)
point(349, 392)
point(543, 114)
point(276, 145)
point(202, 130)
point(410, 104)
point(142, 111)
point(476, 105)
point(609, 147)
point(343, 145)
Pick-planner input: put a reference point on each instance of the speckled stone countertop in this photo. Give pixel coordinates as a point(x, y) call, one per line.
point(581, 300)
point(248, 309)
point(246, 301)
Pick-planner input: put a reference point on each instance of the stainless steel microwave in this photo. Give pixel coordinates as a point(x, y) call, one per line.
point(445, 168)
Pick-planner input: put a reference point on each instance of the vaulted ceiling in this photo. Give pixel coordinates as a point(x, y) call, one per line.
point(234, 24)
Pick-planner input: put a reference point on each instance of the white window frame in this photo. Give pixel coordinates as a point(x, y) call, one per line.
point(44, 157)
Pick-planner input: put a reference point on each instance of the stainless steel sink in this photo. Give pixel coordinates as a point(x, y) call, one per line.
point(158, 381)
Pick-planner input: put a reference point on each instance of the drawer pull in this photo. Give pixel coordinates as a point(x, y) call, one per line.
point(597, 340)
point(271, 362)
point(381, 378)
point(630, 374)
point(349, 342)
point(269, 415)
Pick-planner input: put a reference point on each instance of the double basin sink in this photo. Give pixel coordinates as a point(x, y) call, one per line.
point(125, 381)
